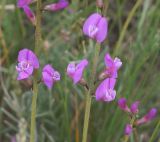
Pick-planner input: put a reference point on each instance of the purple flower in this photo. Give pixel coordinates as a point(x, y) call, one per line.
point(57, 6)
point(112, 65)
point(27, 62)
point(151, 114)
point(122, 103)
point(105, 91)
point(96, 27)
point(24, 4)
point(134, 107)
point(75, 72)
point(148, 117)
point(128, 129)
point(50, 76)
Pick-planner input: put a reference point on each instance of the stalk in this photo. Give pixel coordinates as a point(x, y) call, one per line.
point(89, 94)
point(35, 84)
point(125, 26)
point(155, 132)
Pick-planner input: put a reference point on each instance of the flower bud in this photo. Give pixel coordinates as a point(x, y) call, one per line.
point(148, 117)
point(128, 129)
point(122, 103)
point(134, 107)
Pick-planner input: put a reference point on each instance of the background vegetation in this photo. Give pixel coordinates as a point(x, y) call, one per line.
point(60, 111)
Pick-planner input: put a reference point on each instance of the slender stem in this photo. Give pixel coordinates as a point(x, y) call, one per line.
point(89, 94)
point(33, 114)
point(35, 84)
point(38, 26)
point(155, 132)
point(124, 28)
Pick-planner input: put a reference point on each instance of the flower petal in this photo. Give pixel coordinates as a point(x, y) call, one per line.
point(28, 55)
point(109, 95)
point(104, 91)
point(22, 3)
point(22, 75)
point(117, 63)
point(111, 82)
point(30, 15)
point(47, 79)
point(128, 129)
point(79, 71)
point(71, 68)
point(102, 30)
point(57, 6)
point(92, 20)
point(48, 68)
point(108, 60)
point(83, 63)
point(29, 71)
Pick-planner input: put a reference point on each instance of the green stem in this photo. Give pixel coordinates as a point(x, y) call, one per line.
point(35, 85)
point(89, 94)
point(38, 26)
point(124, 28)
point(155, 132)
point(33, 114)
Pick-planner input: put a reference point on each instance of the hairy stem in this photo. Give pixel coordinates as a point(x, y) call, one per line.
point(35, 84)
point(89, 94)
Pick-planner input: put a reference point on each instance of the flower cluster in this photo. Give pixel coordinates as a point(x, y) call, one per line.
point(96, 27)
point(28, 62)
point(24, 4)
point(105, 91)
point(133, 110)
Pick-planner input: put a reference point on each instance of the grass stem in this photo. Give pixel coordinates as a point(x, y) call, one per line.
point(155, 132)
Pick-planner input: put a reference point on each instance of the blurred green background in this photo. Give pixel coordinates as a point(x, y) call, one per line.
point(60, 111)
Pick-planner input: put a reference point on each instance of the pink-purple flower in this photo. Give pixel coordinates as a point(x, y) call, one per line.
point(134, 107)
point(112, 65)
point(128, 129)
point(75, 72)
point(148, 117)
point(57, 6)
point(50, 76)
point(27, 62)
point(24, 4)
point(105, 91)
point(122, 103)
point(96, 27)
